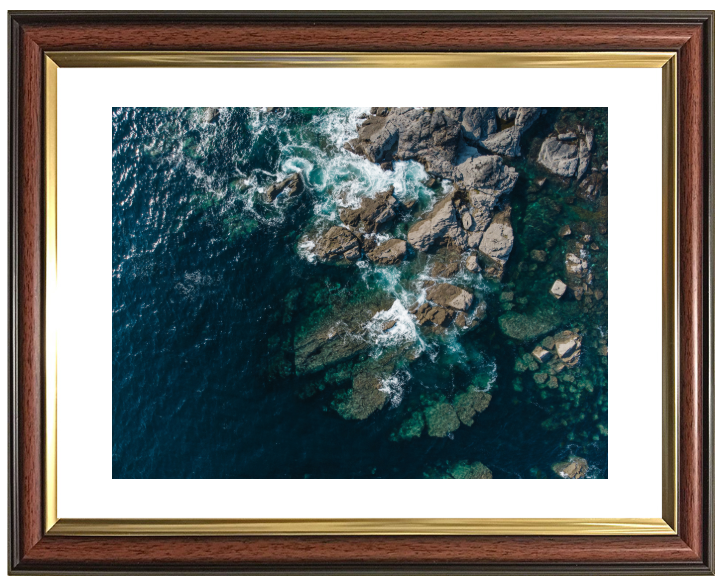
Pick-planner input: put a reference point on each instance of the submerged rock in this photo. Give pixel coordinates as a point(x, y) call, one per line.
point(327, 346)
point(292, 186)
point(441, 419)
point(450, 296)
point(337, 244)
point(526, 327)
point(374, 214)
point(538, 255)
point(469, 403)
point(466, 471)
point(391, 252)
point(411, 428)
point(337, 337)
point(364, 398)
point(573, 468)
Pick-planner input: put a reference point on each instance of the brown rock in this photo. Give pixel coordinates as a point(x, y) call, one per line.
point(391, 252)
point(374, 214)
point(445, 269)
point(292, 186)
point(450, 296)
point(573, 468)
point(337, 244)
point(427, 314)
point(538, 255)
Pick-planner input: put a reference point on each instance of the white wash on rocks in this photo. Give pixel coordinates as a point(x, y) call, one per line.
point(452, 145)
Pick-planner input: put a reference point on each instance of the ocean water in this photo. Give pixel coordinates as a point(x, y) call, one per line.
point(212, 286)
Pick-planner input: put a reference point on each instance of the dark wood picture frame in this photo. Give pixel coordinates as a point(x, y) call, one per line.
point(689, 34)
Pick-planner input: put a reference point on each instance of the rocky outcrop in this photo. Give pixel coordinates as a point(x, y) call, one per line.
point(568, 154)
point(445, 269)
point(507, 142)
point(573, 468)
point(567, 347)
point(450, 296)
point(374, 214)
point(435, 137)
point(472, 263)
point(486, 174)
point(337, 337)
point(327, 346)
point(291, 186)
point(338, 244)
point(496, 244)
point(541, 355)
point(475, 123)
point(427, 315)
point(210, 115)
point(426, 135)
point(388, 253)
point(438, 138)
point(558, 289)
point(440, 223)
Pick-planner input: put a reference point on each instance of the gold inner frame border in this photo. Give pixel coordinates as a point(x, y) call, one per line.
point(666, 525)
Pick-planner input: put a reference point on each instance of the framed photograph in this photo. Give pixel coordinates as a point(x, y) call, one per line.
point(296, 332)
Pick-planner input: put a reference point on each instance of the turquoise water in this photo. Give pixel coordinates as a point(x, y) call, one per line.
point(213, 288)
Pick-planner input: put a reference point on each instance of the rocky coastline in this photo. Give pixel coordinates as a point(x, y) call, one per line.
point(505, 255)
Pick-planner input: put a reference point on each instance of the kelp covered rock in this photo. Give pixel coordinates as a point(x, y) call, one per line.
point(525, 327)
point(441, 419)
point(469, 403)
point(470, 471)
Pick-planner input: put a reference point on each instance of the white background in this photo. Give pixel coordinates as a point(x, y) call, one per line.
point(85, 484)
point(235, 5)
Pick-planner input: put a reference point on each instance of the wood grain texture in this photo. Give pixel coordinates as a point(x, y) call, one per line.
point(690, 34)
point(447, 550)
point(28, 288)
point(417, 37)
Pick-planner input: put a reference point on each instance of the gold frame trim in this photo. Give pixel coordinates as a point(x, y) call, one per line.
point(395, 526)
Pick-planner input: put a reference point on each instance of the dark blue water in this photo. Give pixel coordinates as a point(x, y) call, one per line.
point(212, 286)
